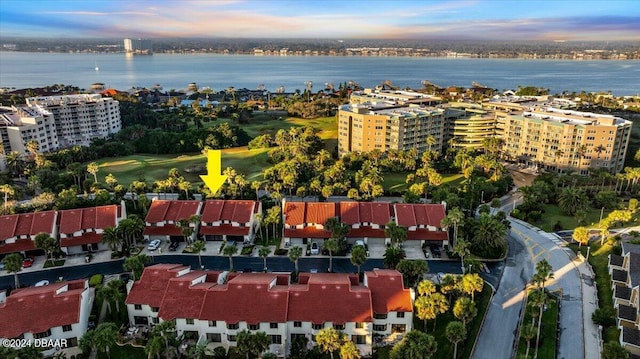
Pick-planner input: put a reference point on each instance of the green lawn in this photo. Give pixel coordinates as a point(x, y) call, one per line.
point(547, 349)
point(599, 260)
point(327, 127)
point(395, 181)
point(553, 214)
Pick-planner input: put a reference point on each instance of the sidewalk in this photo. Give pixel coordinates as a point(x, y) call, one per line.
point(592, 335)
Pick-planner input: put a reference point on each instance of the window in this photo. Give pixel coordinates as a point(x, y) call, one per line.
point(379, 316)
point(137, 306)
point(213, 323)
point(254, 326)
point(359, 339)
point(379, 327)
point(233, 326)
point(273, 325)
point(155, 320)
point(317, 326)
point(359, 325)
point(155, 309)
point(67, 328)
point(400, 315)
point(338, 326)
point(297, 324)
point(276, 339)
point(398, 328)
point(190, 321)
point(214, 337)
point(232, 338)
point(42, 335)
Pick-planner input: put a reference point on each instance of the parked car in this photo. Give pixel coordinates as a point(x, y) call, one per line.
point(360, 242)
point(315, 249)
point(155, 244)
point(42, 283)
point(27, 262)
point(174, 246)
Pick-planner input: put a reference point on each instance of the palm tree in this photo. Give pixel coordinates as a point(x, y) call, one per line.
point(538, 299)
point(229, 251)
point(105, 336)
point(426, 287)
point(135, 265)
point(395, 233)
point(463, 249)
point(581, 235)
point(528, 332)
point(329, 340)
point(199, 247)
point(415, 345)
point(349, 350)
point(572, 199)
point(13, 264)
point(543, 273)
point(200, 350)
point(14, 163)
point(454, 218)
point(93, 169)
point(465, 310)
point(456, 332)
point(331, 245)
point(294, 254)
point(393, 256)
point(471, 283)
point(112, 238)
point(161, 331)
point(47, 243)
point(429, 306)
point(8, 191)
point(264, 252)
point(358, 256)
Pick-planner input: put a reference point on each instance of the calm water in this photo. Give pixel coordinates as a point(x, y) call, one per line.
point(22, 70)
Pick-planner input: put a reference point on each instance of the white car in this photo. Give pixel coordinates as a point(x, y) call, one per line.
point(360, 242)
point(155, 244)
point(315, 249)
point(42, 283)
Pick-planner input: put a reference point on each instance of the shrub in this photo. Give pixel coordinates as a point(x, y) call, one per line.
point(95, 280)
point(281, 252)
point(557, 226)
point(604, 317)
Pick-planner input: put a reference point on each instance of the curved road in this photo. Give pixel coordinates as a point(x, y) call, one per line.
point(275, 264)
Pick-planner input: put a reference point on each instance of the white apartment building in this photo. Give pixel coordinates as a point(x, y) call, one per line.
point(19, 125)
point(57, 312)
point(216, 306)
point(80, 118)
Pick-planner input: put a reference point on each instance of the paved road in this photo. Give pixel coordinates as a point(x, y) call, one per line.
point(497, 336)
point(275, 264)
point(567, 281)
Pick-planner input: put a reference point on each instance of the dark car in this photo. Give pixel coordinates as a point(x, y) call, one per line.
point(27, 262)
point(174, 246)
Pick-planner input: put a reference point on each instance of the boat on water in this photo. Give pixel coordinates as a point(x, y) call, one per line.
point(97, 68)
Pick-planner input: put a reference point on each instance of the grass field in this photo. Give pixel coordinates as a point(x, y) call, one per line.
point(126, 351)
point(395, 181)
point(249, 162)
point(547, 349)
point(553, 214)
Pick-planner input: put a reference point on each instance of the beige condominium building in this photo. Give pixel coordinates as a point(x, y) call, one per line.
point(366, 127)
point(564, 140)
point(467, 125)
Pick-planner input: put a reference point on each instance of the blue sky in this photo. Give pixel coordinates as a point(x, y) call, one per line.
point(569, 20)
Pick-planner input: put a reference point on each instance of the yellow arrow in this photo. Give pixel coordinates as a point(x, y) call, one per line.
point(214, 179)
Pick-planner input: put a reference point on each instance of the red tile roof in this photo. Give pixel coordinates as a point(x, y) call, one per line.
point(230, 210)
point(319, 212)
point(294, 213)
point(75, 220)
point(165, 211)
point(366, 231)
point(37, 309)
point(419, 214)
point(267, 297)
point(306, 232)
point(425, 234)
point(26, 224)
point(365, 212)
point(85, 238)
point(166, 230)
point(151, 287)
point(329, 298)
point(224, 229)
point(387, 291)
point(249, 297)
point(20, 245)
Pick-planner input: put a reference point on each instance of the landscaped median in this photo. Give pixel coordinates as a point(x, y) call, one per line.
point(528, 331)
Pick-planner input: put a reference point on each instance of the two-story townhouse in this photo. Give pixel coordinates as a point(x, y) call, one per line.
point(217, 306)
point(367, 220)
point(230, 220)
point(81, 229)
point(57, 313)
point(18, 231)
point(625, 281)
point(304, 221)
point(164, 216)
point(423, 222)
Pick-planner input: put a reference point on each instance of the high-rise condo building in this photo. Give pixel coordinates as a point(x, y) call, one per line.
point(138, 46)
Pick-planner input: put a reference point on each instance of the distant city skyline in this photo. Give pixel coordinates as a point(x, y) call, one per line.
point(559, 20)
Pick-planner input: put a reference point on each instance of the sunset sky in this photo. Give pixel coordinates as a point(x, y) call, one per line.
point(427, 19)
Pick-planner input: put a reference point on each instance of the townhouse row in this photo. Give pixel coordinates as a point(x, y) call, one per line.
point(625, 282)
point(215, 306)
